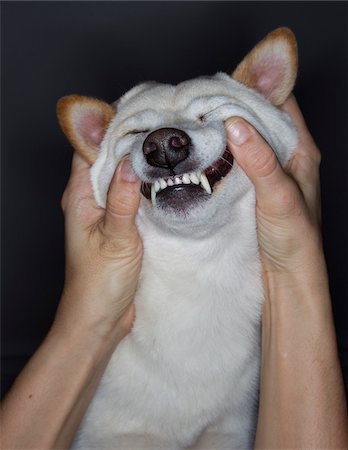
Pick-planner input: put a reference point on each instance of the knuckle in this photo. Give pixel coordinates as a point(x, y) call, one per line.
point(63, 203)
point(76, 204)
point(118, 207)
point(287, 199)
point(108, 247)
point(123, 247)
point(107, 242)
point(316, 155)
point(65, 199)
point(113, 207)
point(263, 161)
point(309, 150)
point(290, 202)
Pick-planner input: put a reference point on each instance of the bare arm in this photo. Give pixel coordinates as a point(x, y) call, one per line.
point(48, 400)
point(302, 400)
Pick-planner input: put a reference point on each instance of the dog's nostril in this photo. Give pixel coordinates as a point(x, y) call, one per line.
point(149, 147)
point(178, 141)
point(166, 147)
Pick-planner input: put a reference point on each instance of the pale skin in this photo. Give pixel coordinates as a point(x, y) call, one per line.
point(302, 401)
point(103, 260)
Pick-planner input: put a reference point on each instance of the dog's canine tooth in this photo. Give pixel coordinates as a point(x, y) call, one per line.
point(163, 183)
point(205, 183)
point(170, 182)
point(153, 194)
point(156, 186)
point(186, 178)
point(194, 178)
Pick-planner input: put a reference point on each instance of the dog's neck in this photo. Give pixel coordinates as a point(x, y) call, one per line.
point(232, 227)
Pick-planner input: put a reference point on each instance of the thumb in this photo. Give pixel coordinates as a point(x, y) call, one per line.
point(260, 163)
point(122, 200)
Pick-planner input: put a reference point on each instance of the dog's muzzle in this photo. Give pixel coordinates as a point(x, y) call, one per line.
point(165, 148)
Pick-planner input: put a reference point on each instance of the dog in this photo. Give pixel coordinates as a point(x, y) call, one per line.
point(187, 374)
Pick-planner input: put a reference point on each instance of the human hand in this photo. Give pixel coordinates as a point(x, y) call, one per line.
point(302, 402)
point(103, 252)
point(287, 200)
point(103, 260)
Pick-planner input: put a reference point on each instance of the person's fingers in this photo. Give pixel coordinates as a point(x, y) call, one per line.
point(79, 185)
point(290, 106)
point(275, 191)
point(304, 165)
point(307, 147)
point(78, 164)
point(122, 201)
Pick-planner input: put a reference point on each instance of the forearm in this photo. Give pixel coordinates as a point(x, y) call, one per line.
point(302, 401)
point(49, 398)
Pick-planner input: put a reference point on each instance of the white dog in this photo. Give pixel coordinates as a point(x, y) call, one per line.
point(187, 374)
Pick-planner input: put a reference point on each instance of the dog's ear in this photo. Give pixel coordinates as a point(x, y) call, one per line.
point(271, 66)
point(84, 121)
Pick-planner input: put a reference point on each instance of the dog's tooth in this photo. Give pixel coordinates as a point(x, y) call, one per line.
point(170, 182)
point(157, 186)
point(163, 183)
point(177, 180)
point(186, 178)
point(194, 178)
point(153, 194)
point(205, 183)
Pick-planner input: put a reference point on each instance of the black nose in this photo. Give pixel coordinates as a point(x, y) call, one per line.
point(166, 147)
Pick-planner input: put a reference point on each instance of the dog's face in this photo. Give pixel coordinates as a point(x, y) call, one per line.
point(178, 147)
point(176, 135)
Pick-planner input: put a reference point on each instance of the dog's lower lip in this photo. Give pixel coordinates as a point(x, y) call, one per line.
point(218, 170)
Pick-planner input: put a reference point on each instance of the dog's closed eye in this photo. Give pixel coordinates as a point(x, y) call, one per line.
point(203, 117)
point(132, 132)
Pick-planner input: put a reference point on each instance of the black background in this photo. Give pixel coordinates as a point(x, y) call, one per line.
point(101, 49)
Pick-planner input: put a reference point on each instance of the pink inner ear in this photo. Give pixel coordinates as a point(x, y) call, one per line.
point(269, 76)
point(272, 70)
point(90, 127)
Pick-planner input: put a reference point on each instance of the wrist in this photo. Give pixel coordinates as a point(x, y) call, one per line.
point(297, 315)
point(86, 343)
point(302, 271)
point(299, 297)
point(99, 308)
point(93, 332)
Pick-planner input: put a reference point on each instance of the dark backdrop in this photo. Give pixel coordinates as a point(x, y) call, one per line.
point(50, 49)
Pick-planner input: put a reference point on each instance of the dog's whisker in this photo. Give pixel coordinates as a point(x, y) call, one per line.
point(217, 170)
point(226, 161)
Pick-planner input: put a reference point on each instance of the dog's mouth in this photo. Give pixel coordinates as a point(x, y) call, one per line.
point(189, 187)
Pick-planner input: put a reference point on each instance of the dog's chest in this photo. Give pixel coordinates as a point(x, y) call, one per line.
point(195, 293)
point(195, 338)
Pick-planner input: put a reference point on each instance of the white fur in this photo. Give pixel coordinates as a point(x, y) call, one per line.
point(188, 371)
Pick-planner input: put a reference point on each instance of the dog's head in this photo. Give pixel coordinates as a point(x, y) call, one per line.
point(176, 136)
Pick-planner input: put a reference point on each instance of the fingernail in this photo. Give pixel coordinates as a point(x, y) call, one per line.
point(237, 132)
point(127, 172)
